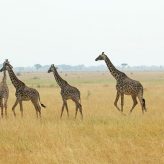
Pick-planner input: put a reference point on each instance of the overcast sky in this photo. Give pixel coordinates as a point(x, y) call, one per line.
point(77, 31)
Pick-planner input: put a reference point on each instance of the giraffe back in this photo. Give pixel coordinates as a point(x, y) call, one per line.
point(70, 92)
point(26, 93)
point(129, 86)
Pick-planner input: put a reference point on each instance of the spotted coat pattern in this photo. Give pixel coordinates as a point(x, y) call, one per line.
point(67, 92)
point(124, 85)
point(23, 92)
point(4, 94)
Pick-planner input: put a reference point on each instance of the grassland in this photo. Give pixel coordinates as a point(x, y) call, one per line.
point(103, 137)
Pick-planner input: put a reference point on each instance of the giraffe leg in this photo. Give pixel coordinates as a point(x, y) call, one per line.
point(67, 108)
point(36, 111)
point(13, 108)
point(134, 103)
point(76, 111)
point(2, 111)
point(116, 100)
point(80, 109)
point(5, 105)
point(37, 108)
point(141, 102)
point(1, 104)
point(21, 108)
point(62, 109)
point(122, 102)
point(78, 106)
point(144, 105)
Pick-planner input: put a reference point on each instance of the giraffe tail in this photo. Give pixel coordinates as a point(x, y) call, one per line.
point(144, 104)
point(41, 103)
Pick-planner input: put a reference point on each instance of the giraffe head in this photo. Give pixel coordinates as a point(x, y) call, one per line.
point(101, 57)
point(52, 68)
point(6, 66)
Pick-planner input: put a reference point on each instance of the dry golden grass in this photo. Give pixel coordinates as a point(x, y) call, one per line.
point(104, 136)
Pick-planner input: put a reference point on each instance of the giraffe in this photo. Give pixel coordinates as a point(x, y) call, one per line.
point(4, 94)
point(124, 86)
point(67, 92)
point(23, 92)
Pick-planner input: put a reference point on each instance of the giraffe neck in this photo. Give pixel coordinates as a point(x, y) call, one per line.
point(115, 72)
point(4, 77)
point(15, 81)
point(59, 80)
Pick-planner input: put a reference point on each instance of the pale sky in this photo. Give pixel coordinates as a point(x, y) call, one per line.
point(77, 31)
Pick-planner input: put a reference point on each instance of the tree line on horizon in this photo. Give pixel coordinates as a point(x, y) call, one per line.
point(82, 67)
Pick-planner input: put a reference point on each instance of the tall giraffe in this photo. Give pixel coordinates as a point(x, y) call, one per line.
point(124, 85)
point(23, 92)
point(4, 94)
point(67, 92)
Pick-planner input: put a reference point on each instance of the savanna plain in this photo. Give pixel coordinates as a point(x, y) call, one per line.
point(103, 137)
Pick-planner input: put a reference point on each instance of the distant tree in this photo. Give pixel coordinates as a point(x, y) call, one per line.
point(65, 67)
point(20, 69)
point(80, 67)
point(37, 66)
point(124, 65)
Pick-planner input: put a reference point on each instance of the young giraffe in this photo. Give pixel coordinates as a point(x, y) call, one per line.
point(67, 92)
point(4, 94)
point(125, 85)
point(23, 93)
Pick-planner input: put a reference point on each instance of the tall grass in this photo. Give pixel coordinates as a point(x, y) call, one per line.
point(104, 136)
